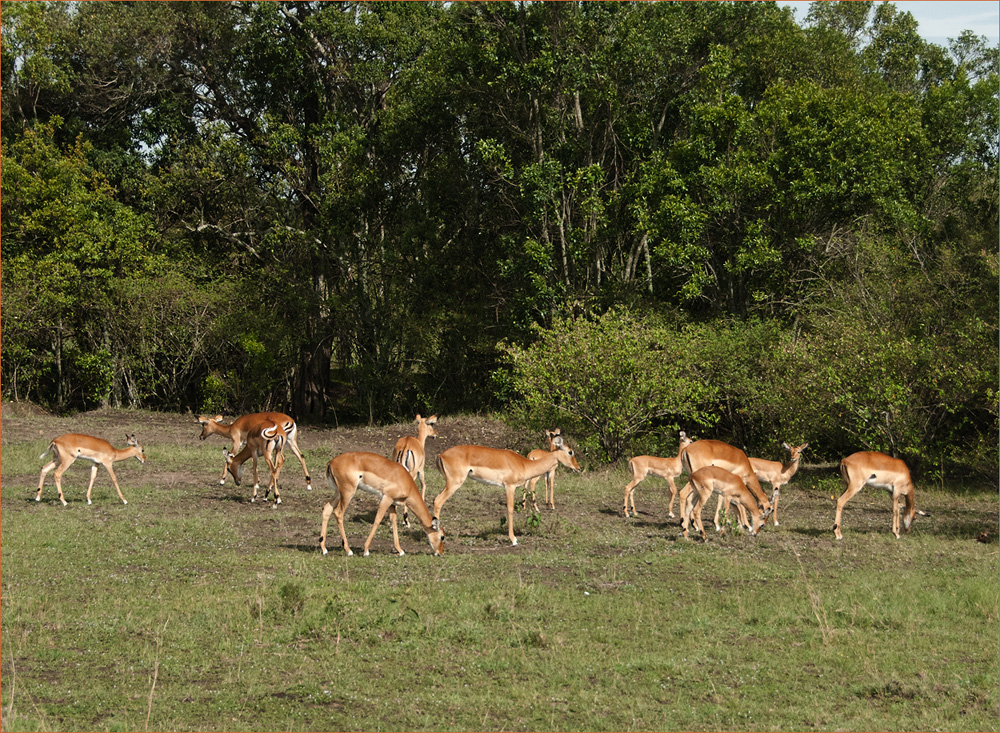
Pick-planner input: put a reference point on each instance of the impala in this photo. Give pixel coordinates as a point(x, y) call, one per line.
point(496, 467)
point(703, 453)
point(67, 448)
point(883, 472)
point(409, 452)
point(265, 439)
point(666, 468)
point(553, 440)
point(730, 488)
point(389, 481)
point(238, 430)
point(777, 473)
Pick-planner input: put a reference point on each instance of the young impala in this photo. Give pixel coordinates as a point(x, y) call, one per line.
point(553, 441)
point(409, 452)
point(883, 472)
point(777, 473)
point(495, 467)
point(265, 439)
point(240, 428)
point(389, 481)
point(666, 468)
point(703, 453)
point(67, 448)
point(730, 488)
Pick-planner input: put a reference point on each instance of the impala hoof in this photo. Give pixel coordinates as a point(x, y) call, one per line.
point(88, 501)
point(64, 502)
point(366, 553)
point(38, 498)
point(350, 553)
point(322, 550)
point(222, 483)
point(124, 501)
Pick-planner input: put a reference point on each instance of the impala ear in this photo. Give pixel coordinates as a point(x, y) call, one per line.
point(804, 446)
point(436, 524)
point(786, 446)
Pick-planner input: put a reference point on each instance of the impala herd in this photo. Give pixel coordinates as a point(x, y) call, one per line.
point(712, 467)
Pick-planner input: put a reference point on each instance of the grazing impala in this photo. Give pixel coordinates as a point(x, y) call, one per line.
point(389, 481)
point(553, 440)
point(67, 448)
point(777, 473)
point(703, 453)
point(495, 467)
point(730, 488)
point(265, 439)
point(883, 472)
point(666, 468)
point(240, 428)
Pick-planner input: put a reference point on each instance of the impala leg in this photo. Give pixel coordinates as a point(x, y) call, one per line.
point(383, 506)
point(718, 508)
point(114, 480)
point(510, 514)
point(298, 454)
point(41, 479)
point(450, 488)
point(58, 477)
point(534, 498)
point(550, 489)
point(699, 504)
point(93, 475)
point(629, 491)
point(848, 494)
point(673, 495)
point(338, 512)
point(327, 512)
point(896, 502)
point(395, 530)
point(774, 505)
point(685, 508)
point(423, 487)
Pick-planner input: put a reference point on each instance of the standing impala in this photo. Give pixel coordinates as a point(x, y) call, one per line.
point(496, 467)
point(389, 481)
point(265, 439)
point(667, 468)
point(883, 472)
point(67, 448)
point(553, 440)
point(778, 473)
point(240, 428)
point(409, 452)
point(730, 488)
point(703, 453)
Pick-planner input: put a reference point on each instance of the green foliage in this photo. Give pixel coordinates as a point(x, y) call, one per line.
point(340, 209)
point(608, 380)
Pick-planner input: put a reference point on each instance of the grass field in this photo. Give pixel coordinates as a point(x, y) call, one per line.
point(192, 609)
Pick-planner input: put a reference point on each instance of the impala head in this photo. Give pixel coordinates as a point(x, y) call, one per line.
point(206, 425)
point(565, 454)
point(425, 426)
point(685, 441)
point(436, 537)
point(133, 443)
point(795, 451)
point(231, 466)
point(551, 436)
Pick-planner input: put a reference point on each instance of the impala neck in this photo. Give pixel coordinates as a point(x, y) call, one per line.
point(790, 467)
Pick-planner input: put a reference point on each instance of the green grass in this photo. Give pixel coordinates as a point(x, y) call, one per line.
point(190, 609)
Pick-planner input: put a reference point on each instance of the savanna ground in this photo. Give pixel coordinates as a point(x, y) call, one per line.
point(193, 609)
